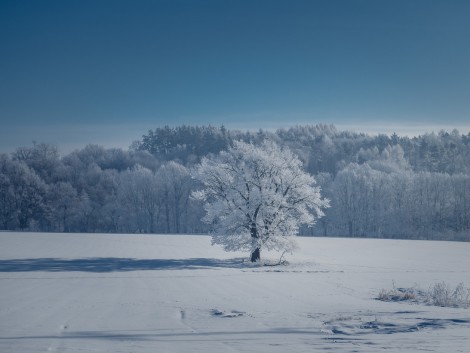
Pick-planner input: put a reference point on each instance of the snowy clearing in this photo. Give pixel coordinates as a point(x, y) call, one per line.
point(176, 293)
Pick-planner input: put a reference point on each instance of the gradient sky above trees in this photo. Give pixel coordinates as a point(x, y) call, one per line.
point(77, 72)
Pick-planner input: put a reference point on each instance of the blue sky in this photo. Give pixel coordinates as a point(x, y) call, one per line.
point(91, 71)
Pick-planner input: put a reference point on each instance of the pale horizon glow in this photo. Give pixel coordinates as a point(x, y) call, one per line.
point(72, 137)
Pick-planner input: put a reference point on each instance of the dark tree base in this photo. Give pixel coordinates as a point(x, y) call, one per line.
point(256, 255)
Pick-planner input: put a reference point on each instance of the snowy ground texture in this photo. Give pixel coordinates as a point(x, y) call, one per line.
point(161, 293)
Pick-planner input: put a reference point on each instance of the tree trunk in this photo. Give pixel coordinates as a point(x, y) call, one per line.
point(167, 213)
point(64, 215)
point(256, 255)
point(152, 222)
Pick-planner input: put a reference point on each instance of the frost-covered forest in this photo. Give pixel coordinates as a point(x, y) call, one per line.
point(378, 186)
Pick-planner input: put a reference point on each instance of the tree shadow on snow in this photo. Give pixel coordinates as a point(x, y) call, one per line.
point(112, 264)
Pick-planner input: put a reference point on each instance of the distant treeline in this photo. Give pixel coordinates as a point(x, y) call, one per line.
point(379, 186)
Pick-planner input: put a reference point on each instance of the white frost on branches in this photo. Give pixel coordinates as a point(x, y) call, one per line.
point(257, 197)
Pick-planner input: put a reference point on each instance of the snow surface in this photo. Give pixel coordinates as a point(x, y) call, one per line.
point(177, 293)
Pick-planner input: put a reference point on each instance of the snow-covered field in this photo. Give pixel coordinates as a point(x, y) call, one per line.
point(162, 293)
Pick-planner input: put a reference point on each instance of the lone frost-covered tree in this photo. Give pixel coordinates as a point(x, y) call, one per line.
point(256, 197)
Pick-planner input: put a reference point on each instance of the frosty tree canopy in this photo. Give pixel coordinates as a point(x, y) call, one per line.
point(257, 197)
